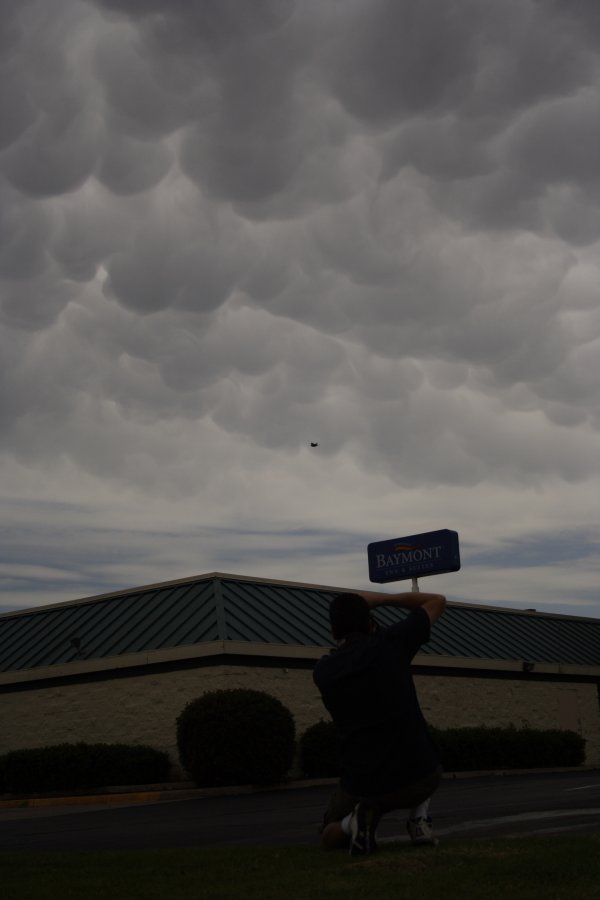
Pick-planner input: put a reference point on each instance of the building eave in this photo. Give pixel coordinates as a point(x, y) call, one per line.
point(272, 652)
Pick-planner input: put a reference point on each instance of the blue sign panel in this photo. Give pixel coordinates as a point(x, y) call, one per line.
point(417, 555)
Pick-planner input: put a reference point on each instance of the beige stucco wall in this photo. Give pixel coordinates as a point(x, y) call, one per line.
point(143, 709)
point(450, 702)
point(140, 709)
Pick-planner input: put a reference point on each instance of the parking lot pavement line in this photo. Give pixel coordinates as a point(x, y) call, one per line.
point(559, 829)
point(520, 817)
point(583, 787)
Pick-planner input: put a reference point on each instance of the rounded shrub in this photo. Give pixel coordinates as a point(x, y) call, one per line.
point(319, 751)
point(236, 736)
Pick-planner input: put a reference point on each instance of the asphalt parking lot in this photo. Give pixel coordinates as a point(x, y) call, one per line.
point(477, 807)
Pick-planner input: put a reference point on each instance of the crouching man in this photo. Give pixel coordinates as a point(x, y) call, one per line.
point(387, 758)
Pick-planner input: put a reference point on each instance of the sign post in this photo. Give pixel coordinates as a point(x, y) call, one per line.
point(431, 553)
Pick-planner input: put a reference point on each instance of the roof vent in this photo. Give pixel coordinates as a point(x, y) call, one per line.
point(75, 642)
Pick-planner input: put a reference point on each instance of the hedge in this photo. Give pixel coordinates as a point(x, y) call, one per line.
point(80, 766)
point(473, 749)
point(237, 736)
point(462, 749)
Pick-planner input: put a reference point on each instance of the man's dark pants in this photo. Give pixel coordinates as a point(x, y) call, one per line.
point(405, 797)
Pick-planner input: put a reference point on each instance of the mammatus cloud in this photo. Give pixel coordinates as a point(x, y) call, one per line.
point(227, 230)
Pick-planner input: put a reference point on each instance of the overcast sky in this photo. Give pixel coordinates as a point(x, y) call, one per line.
point(228, 229)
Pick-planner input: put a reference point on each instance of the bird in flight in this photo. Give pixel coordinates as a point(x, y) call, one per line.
point(314, 444)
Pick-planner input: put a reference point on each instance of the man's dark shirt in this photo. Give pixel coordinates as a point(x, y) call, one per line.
point(367, 687)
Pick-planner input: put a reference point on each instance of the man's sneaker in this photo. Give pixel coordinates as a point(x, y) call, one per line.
point(362, 830)
point(421, 832)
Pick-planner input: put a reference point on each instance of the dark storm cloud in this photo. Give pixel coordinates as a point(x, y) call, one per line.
point(556, 141)
point(140, 99)
point(129, 166)
point(230, 228)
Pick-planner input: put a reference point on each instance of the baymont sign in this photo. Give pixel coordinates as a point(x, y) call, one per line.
point(432, 553)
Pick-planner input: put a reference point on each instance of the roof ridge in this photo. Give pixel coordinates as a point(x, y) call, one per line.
point(278, 582)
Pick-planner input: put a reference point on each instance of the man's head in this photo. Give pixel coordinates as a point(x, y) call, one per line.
point(349, 613)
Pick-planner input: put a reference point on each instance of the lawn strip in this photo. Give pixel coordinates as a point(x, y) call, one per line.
point(531, 869)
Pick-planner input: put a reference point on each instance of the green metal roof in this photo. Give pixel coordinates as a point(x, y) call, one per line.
point(219, 607)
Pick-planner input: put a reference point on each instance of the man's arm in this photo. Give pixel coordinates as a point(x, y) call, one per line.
point(433, 604)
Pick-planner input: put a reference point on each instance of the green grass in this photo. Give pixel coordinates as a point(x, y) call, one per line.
point(545, 868)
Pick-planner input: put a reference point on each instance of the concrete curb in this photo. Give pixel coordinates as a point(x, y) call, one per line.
point(151, 794)
point(133, 794)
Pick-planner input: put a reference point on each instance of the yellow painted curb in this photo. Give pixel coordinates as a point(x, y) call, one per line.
point(188, 793)
point(99, 799)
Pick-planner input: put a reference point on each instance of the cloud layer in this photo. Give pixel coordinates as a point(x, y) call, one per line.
point(229, 229)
